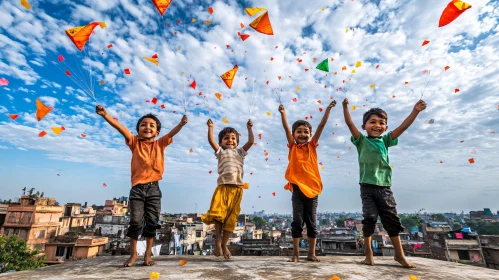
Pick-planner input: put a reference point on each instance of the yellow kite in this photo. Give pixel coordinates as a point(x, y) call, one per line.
point(253, 11)
point(228, 77)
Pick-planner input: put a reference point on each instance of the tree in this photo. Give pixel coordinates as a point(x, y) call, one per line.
point(259, 222)
point(438, 217)
point(265, 235)
point(456, 226)
point(324, 222)
point(410, 221)
point(16, 255)
point(41, 195)
point(340, 222)
point(30, 192)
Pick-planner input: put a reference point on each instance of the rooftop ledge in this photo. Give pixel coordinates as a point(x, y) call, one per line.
point(251, 268)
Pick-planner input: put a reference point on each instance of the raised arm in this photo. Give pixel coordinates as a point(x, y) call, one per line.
point(289, 135)
point(420, 106)
point(178, 127)
point(348, 120)
point(321, 126)
point(251, 138)
point(101, 111)
point(211, 139)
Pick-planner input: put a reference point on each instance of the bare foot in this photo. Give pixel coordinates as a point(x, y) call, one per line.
point(148, 259)
point(294, 259)
point(368, 261)
point(130, 261)
point(403, 261)
point(217, 251)
point(313, 259)
point(227, 253)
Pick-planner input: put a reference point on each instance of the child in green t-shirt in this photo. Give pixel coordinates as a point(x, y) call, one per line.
point(376, 176)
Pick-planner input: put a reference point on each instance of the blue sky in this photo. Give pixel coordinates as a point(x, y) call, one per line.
point(384, 33)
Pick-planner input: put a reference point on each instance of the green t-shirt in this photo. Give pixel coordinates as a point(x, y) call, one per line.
point(374, 165)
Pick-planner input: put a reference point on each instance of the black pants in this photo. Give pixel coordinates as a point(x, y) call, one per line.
point(379, 200)
point(145, 206)
point(304, 211)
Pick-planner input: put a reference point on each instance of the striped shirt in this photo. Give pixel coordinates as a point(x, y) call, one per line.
point(230, 166)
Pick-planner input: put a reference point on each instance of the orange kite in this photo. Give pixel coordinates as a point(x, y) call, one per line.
point(41, 110)
point(162, 5)
point(262, 24)
point(228, 77)
point(454, 9)
point(81, 34)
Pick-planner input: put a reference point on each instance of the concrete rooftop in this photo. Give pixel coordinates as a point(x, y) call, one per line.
point(252, 268)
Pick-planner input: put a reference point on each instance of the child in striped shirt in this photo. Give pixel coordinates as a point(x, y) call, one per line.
point(226, 201)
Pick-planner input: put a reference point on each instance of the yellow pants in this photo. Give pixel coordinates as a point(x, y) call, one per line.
point(225, 207)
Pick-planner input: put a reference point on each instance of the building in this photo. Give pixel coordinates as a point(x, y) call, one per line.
point(3, 213)
point(117, 206)
point(65, 248)
point(76, 218)
point(486, 215)
point(260, 247)
point(490, 249)
point(250, 231)
point(455, 246)
point(34, 220)
point(111, 226)
point(339, 241)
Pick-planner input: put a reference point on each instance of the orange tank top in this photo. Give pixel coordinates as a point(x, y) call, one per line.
point(303, 169)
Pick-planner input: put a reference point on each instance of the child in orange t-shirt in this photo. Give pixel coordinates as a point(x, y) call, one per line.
point(147, 169)
point(304, 179)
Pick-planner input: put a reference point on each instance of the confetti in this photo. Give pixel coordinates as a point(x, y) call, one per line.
point(412, 277)
point(41, 134)
point(425, 42)
point(182, 262)
point(224, 120)
point(268, 113)
point(26, 4)
point(83, 135)
point(297, 89)
point(4, 82)
point(446, 68)
point(353, 108)
point(273, 193)
point(471, 160)
point(104, 185)
point(334, 278)
point(127, 71)
point(210, 10)
point(294, 99)
point(101, 83)
point(456, 90)
point(13, 116)
point(154, 100)
point(154, 275)
point(190, 150)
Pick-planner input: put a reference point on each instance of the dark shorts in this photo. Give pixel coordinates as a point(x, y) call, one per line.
point(379, 201)
point(304, 212)
point(145, 206)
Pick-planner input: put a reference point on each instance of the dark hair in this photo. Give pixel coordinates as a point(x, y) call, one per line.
point(225, 131)
point(300, 123)
point(374, 111)
point(150, 116)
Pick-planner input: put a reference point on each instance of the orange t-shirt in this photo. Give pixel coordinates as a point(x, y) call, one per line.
point(303, 169)
point(148, 159)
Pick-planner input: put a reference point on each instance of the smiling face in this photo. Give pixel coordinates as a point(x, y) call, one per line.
point(302, 134)
point(375, 126)
point(229, 141)
point(148, 129)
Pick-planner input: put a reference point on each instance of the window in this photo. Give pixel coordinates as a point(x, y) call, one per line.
point(59, 252)
point(69, 252)
point(40, 234)
point(463, 254)
point(353, 246)
point(198, 234)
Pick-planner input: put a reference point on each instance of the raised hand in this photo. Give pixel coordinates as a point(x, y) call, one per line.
point(100, 110)
point(249, 124)
point(210, 123)
point(420, 105)
point(345, 102)
point(331, 105)
point(184, 120)
point(281, 109)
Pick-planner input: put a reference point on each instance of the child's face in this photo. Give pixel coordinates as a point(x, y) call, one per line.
point(375, 126)
point(302, 134)
point(148, 129)
point(229, 141)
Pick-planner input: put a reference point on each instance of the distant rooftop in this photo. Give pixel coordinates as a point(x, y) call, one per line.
point(209, 267)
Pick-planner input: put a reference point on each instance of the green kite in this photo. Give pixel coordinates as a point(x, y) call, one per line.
point(324, 65)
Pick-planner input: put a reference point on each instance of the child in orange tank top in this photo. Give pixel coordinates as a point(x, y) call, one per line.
point(304, 179)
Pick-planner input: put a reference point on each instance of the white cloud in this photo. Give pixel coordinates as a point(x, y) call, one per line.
point(388, 34)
